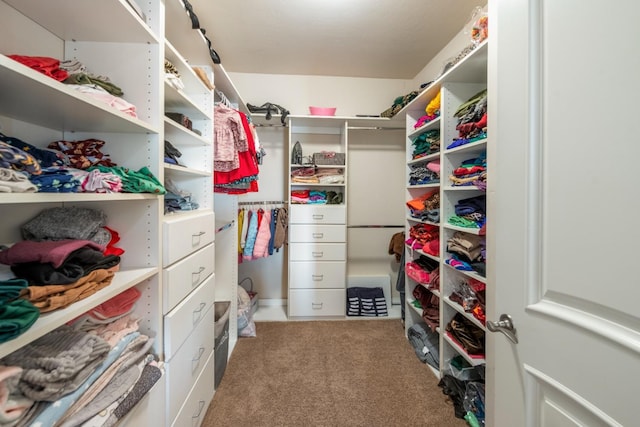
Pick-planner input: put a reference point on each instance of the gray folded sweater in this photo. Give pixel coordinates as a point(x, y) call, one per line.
point(58, 363)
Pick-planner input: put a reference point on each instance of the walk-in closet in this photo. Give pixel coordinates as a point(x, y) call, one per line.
point(181, 180)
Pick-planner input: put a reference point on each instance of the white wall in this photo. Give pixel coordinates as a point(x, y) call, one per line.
point(374, 197)
point(296, 93)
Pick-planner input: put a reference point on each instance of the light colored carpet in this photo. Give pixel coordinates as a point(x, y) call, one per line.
point(328, 373)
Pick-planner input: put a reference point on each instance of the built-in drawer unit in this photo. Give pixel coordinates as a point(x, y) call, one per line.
point(317, 302)
point(317, 233)
point(185, 233)
point(188, 362)
point(317, 251)
point(318, 214)
point(195, 405)
point(183, 319)
point(316, 275)
point(182, 277)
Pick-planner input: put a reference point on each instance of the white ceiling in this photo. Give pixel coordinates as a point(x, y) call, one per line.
point(357, 38)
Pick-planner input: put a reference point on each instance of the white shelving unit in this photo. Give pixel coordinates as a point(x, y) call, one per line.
point(170, 257)
point(463, 80)
point(39, 110)
point(317, 233)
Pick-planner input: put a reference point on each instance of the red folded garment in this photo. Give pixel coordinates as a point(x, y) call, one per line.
point(116, 306)
point(44, 64)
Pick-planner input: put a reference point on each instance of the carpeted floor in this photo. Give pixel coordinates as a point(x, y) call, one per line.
point(328, 373)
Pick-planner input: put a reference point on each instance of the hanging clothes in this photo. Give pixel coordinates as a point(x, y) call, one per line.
point(261, 230)
point(261, 246)
point(235, 162)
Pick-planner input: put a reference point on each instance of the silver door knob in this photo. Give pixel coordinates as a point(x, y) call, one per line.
point(504, 325)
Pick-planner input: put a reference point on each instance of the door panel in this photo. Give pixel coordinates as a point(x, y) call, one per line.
point(562, 103)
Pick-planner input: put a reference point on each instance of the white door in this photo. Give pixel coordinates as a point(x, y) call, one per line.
point(564, 205)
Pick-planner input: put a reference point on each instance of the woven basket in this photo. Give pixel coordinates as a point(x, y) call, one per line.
point(328, 158)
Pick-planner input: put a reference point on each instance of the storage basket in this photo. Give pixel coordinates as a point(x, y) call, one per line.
point(364, 301)
point(327, 158)
point(252, 294)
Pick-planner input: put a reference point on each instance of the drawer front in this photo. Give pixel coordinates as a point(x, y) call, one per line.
point(317, 233)
point(195, 406)
point(182, 320)
point(185, 234)
point(182, 277)
point(188, 363)
point(317, 275)
point(317, 302)
point(317, 251)
point(301, 214)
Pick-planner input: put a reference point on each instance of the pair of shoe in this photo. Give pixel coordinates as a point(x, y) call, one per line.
point(268, 108)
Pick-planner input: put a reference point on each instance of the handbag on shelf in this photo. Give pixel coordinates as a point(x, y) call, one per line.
point(328, 158)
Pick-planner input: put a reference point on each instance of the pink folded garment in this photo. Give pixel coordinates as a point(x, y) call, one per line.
point(116, 306)
point(48, 251)
point(434, 166)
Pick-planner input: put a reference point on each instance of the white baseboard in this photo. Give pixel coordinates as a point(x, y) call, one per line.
point(271, 302)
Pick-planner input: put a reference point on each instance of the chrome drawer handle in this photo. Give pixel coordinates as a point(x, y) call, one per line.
point(196, 360)
point(317, 254)
point(200, 352)
point(318, 235)
point(317, 216)
point(316, 305)
point(198, 312)
point(200, 408)
point(195, 276)
point(317, 277)
point(195, 238)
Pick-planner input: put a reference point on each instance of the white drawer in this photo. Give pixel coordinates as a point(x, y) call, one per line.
point(317, 302)
point(317, 233)
point(195, 406)
point(183, 319)
point(186, 233)
point(304, 214)
point(317, 251)
point(188, 362)
point(182, 277)
point(315, 275)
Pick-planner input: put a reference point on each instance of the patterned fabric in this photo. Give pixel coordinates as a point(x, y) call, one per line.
point(16, 159)
point(83, 154)
point(46, 158)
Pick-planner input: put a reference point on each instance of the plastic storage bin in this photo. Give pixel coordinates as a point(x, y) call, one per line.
point(221, 347)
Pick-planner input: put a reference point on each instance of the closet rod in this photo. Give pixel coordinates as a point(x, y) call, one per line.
point(263, 202)
point(373, 128)
point(375, 226)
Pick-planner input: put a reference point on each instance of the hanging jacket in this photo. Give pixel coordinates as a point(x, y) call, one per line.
point(240, 224)
point(261, 246)
point(281, 228)
point(245, 229)
point(252, 233)
point(274, 222)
